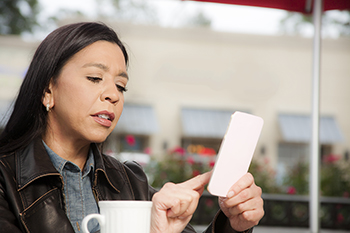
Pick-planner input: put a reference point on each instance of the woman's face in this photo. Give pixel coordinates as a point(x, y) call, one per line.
point(87, 98)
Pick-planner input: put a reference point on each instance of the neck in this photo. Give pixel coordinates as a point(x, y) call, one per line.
point(75, 152)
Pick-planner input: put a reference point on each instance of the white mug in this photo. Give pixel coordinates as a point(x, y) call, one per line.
point(122, 217)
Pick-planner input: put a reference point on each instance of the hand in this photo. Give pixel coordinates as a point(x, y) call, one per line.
point(243, 204)
point(174, 204)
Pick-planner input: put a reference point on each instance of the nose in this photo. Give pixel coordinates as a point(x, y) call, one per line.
point(110, 93)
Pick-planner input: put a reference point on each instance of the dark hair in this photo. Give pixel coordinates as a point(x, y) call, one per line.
point(29, 117)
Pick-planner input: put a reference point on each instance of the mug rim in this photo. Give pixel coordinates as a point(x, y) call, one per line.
point(125, 203)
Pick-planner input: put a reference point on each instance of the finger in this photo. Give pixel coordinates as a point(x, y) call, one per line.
point(183, 210)
point(177, 201)
point(197, 183)
point(181, 206)
point(247, 219)
point(190, 205)
point(249, 205)
point(252, 216)
point(249, 193)
point(165, 198)
point(175, 208)
point(244, 182)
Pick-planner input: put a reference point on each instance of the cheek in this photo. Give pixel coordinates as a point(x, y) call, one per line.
point(71, 110)
point(75, 96)
point(118, 110)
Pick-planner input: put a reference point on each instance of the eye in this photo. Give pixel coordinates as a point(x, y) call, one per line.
point(94, 79)
point(121, 88)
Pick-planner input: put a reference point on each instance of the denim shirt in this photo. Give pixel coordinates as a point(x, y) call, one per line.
point(79, 198)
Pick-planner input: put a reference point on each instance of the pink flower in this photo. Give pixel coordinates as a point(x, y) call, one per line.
point(190, 160)
point(147, 150)
point(195, 173)
point(291, 190)
point(211, 163)
point(340, 218)
point(179, 150)
point(130, 139)
point(331, 158)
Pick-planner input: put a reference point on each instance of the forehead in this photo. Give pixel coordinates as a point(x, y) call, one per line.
point(100, 52)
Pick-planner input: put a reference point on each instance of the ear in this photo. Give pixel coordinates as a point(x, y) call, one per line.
point(48, 100)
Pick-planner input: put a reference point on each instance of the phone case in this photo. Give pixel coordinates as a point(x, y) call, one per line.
point(235, 153)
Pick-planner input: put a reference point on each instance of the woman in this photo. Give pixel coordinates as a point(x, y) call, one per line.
point(52, 173)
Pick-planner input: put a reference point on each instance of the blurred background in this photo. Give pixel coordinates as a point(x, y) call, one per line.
point(192, 65)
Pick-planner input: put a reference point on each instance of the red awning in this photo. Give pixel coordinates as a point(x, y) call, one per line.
point(302, 6)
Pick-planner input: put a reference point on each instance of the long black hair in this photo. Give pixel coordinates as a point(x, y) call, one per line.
point(29, 117)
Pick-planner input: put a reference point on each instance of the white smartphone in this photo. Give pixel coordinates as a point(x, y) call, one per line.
point(236, 152)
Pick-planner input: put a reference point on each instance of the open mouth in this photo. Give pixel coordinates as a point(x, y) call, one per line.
point(105, 115)
point(104, 118)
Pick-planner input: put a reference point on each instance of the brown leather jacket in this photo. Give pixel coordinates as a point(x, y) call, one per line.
point(32, 200)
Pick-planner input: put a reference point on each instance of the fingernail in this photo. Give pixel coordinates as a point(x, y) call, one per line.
point(230, 194)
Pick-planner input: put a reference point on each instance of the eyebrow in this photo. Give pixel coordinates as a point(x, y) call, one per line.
point(106, 68)
point(98, 65)
point(124, 75)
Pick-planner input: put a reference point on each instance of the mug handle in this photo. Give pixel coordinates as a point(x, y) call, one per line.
point(98, 217)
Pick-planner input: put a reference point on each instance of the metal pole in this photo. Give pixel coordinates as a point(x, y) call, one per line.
point(315, 155)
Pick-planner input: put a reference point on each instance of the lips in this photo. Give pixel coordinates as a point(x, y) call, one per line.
point(104, 118)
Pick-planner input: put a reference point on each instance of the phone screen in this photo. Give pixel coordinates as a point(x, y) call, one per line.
point(236, 152)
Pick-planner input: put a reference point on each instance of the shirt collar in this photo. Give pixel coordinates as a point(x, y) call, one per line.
point(59, 163)
point(90, 163)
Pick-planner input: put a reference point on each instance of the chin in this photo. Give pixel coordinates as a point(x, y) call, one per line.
point(98, 138)
point(98, 135)
point(97, 141)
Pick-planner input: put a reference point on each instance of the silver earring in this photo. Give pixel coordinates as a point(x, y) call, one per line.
point(48, 107)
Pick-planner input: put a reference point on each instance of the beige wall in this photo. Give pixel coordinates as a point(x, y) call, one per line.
point(15, 55)
point(265, 75)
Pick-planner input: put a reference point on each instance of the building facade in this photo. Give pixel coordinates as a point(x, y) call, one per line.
point(185, 83)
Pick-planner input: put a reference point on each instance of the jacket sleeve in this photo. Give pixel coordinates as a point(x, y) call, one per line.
point(220, 223)
point(8, 221)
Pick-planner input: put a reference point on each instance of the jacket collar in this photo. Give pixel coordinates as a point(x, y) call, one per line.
point(99, 164)
point(33, 162)
point(102, 166)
